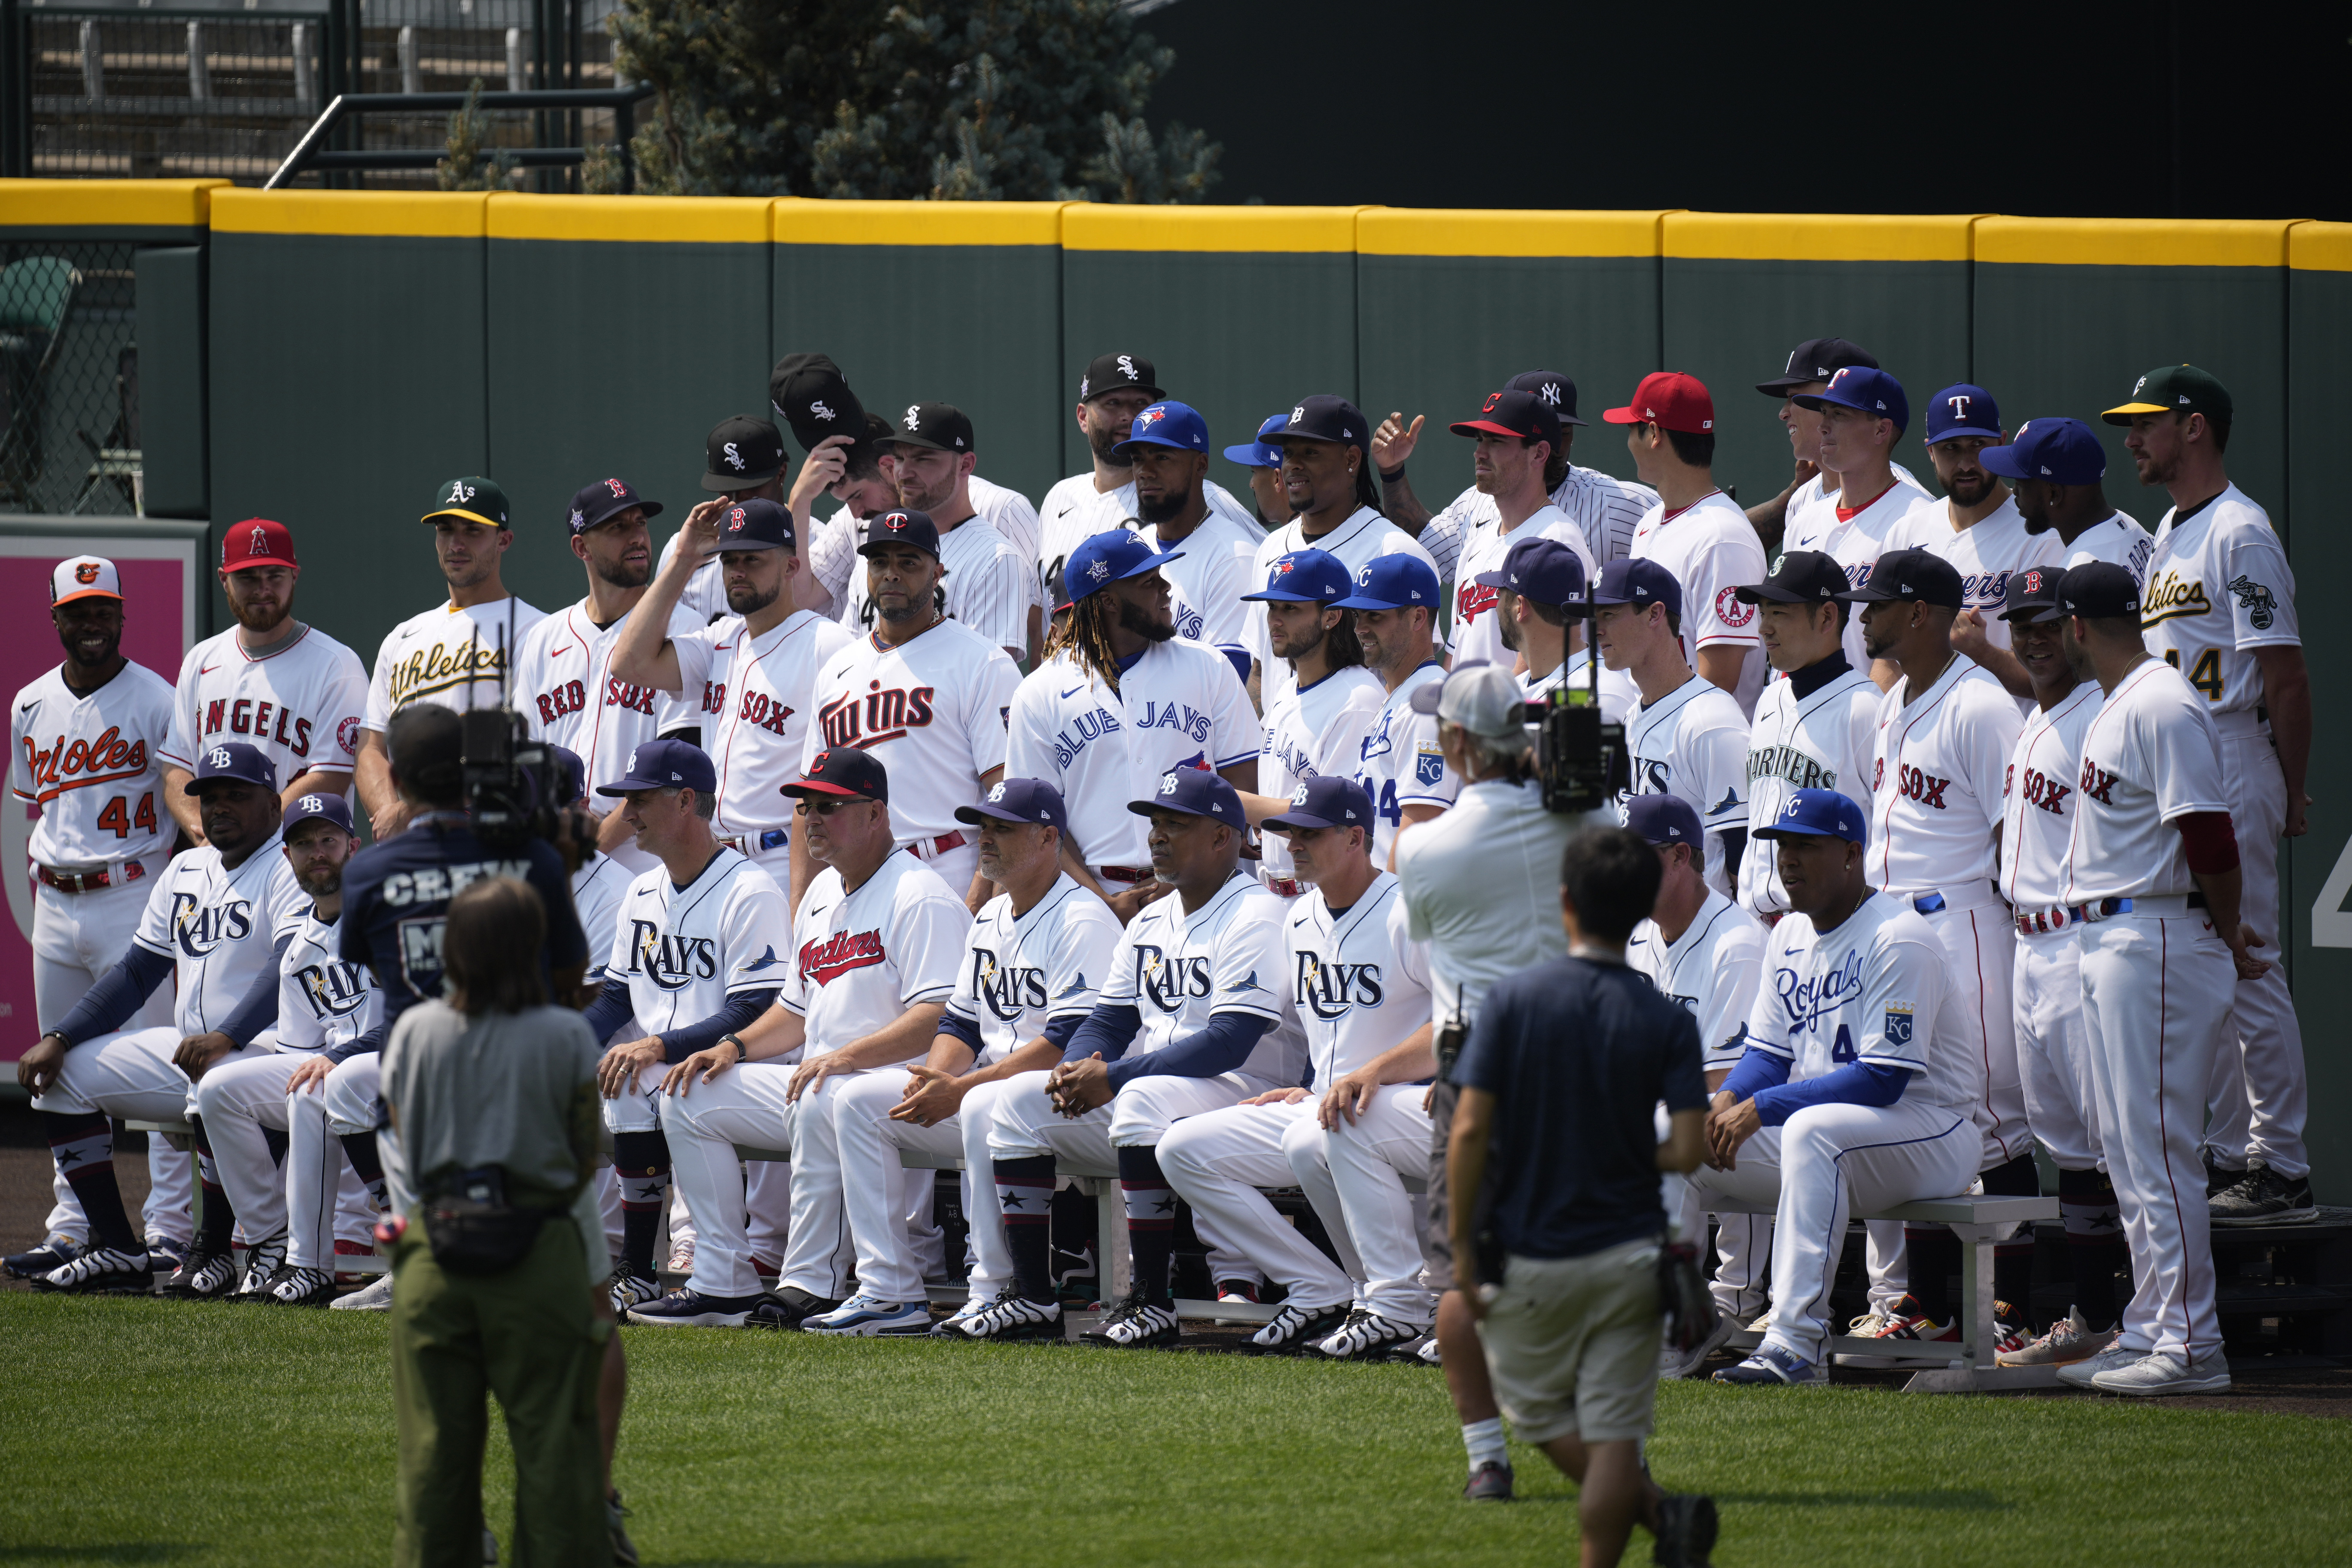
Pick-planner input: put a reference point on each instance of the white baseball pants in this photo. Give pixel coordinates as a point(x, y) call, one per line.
point(2259, 1097)
point(2054, 1049)
point(1218, 1161)
point(874, 1184)
point(347, 1102)
point(1743, 1257)
point(746, 1104)
point(1355, 1175)
point(317, 1199)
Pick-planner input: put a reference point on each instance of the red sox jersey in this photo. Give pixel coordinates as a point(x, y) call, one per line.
point(2218, 588)
point(457, 657)
point(1605, 511)
point(1693, 742)
point(566, 692)
point(931, 710)
point(2150, 756)
point(1711, 550)
point(861, 959)
point(1712, 969)
point(2037, 811)
point(1399, 762)
point(1364, 535)
point(755, 695)
point(300, 705)
point(987, 584)
point(1229, 955)
point(682, 951)
point(92, 766)
point(1358, 984)
point(323, 999)
point(1937, 764)
point(1021, 972)
point(1474, 632)
point(1872, 990)
point(1311, 730)
point(1821, 740)
point(220, 928)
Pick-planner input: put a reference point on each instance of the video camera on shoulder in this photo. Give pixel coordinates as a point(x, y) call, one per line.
point(509, 780)
point(1581, 757)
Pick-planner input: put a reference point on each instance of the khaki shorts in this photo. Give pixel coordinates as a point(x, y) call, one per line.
point(1572, 1343)
point(1437, 1246)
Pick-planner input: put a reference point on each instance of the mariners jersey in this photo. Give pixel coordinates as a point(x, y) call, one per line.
point(324, 1000)
point(1177, 969)
point(1712, 969)
point(1855, 543)
point(1475, 631)
point(1984, 553)
point(1872, 990)
point(457, 657)
point(567, 693)
point(930, 710)
point(1398, 760)
point(2038, 804)
point(1605, 511)
point(1824, 739)
point(300, 704)
point(2118, 539)
point(1363, 536)
point(220, 928)
point(1021, 972)
point(987, 585)
point(2218, 588)
point(683, 951)
point(1692, 743)
point(1711, 550)
point(1936, 766)
point(1178, 705)
point(92, 767)
point(2150, 756)
point(861, 959)
point(755, 696)
point(1358, 984)
point(1311, 730)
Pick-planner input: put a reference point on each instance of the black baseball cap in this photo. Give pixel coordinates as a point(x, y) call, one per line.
point(942, 426)
point(1816, 359)
point(892, 529)
point(2098, 591)
point(842, 772)
point(1018, 800)
point(1511, 413)
point(1557, 391)
point(1324, 417)
point(755, 524)
point(605, 499)
point(1799, 578)
point(1117, 372)
point(744, 453)
point(1912, 576)
point(2032, 594)
point(809, 392)
point(231, 759)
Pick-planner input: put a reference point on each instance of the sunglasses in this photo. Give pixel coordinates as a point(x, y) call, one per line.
point(828, 806)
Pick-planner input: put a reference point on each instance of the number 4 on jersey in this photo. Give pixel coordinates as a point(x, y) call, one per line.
point(1842, 1048)
point(1384, 805)
point(119, 820)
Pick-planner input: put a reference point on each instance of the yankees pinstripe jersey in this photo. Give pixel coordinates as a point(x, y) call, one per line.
point(1604, 509)
point(1021, 972)
point(457, 657)
point(93, 767)
point(987, 587)
point(323, 999)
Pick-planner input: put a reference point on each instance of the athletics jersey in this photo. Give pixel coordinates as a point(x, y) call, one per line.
point(324, 1000)
point(93, 767)
point(1311, 730)
point(683, 951)
point(567, 693)
point(457, 657)
point(1177, 969)
point(931, 710)
point(1360, 985)
point(860, 959)
point(2118, 539)
point(2218, 588)
point(299, 705)
point(987, 585)
point(1984, 553)
point(1712, 551)
point(1936, 773)
point(2039, 797)
point(1021, 972)
point(1398, 760)
point(1872, 990)
point(1618, 692)
point(2150, 756)
point(1476, 630)
point(1821, 740)
point(1366, 534)
point(1855, 543)
point(755, 695)
point(1693, 745)
point(1712, 969)
point(220, 928)
point(1605, 511)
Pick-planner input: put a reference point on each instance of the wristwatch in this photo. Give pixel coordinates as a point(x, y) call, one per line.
point(742, 1053)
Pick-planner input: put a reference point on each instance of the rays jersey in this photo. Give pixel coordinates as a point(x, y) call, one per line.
point(2038, 802)
point(1936, 773)
point(220, 928)
point(566, 692)
point(2149, 755)
point(324, 1000)
point(2218, 588)
point(92, 766)
point(1398, 760)
point(1712, 969)
point(1872, 990)
point(1229, 955)
point(1474, 632)
point(457, 657)
point(1358, 984)
point(683, 951)
point(300, 704)
point(1364, 535)
point(1311, 730)
point(753, 693)
point(1694, 744)
point(1021, 971)
point(987, 584)
point(1823, 738)
point(1711, 550)
point(931, 710)
point(1605, 511)
point(861, 959)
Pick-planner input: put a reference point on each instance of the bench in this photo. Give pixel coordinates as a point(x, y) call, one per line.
point(178, 1133)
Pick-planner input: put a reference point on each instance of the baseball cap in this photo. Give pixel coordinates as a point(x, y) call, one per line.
point(2173, 389)
point(1195, 792)
point(2063, 451)
point(2098, 591)
point(231, 759)
point(1671, 400)
point(1327, 800)
point(755, 524)
point(1912, 576)
point(1641, 584)
point(742, 453)
point(1173, 425)
point(1556, 391)
point(1018, 800)
point(1799, 578)
point(1816, 812)
point(570, 773)
point(318, 807)
point(1323, 417)
point(1873, 392)
point(86, 577)
point(1111, 556)
point(809, 392)
point(940, 426)
point(255, 542)
point(1543, 570)
point(1816, 359)
point(1662, 819)
point(604, 500)
point(665, 763)
point(892, 529)
point(1520, 414)
point(474, 498)
point(1962, 410)
point(1258, 454)
point(2032, 594)
point(1393, 582)
point(843, 771)
point(1306, 577)
point(1115, 372)
point(1480, 697)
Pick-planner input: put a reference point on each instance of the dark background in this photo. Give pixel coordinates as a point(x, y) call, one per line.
point(2160, 109)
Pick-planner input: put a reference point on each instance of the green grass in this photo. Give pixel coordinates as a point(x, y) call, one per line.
point(136, 1432)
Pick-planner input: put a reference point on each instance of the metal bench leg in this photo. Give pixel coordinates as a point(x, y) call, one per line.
point(1978, 1369)
point(1113, 1269)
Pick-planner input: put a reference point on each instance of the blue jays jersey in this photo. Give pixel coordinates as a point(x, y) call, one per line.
point(1229, 955)
point(219, 928)
point(1359, 982)
point(1021, 972)
point(682, 951)
point(324, 999)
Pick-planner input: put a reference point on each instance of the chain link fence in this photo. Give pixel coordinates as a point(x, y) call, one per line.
point(69, 378)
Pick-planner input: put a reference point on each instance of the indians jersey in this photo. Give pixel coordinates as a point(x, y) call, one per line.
point(860, 959)
point(1712, 969)
point(299, 705)
point(2150, 756)
point(1363, 536)
point(1311, 730)
point(566, 692)
point(457, 657)
point(1358, 984)
point(1712, 551)
point(1399, 762)
point(1856, 541)
point(2218, 588)
point(220, 928)
point(92, 767)
point(1474, 632)
point(2038, 808)
point(987, 587)
point(1692, 743)
point(1605, 511)
point(1936, 772)
point(1985, 554)
point(1176, 969)
point(683, 951)
point(1021, 971)
point(754, 694)
point(1872, 990)
point(1809, 733)
point(930, 710)
point(324, 1000)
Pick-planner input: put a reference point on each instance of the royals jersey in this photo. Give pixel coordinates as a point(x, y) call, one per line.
point(1363, 536)
point(1358, 984)
point(1311, 730)
point(1711, 550)
point(2218, 588)
point(1178, 705)
point(1474, 632)
point(1936, 766)
point(755, 695)
point(1021, 971)
point(1712, 969)
point(1823, 738)
point(566, 692)
point(1177, 969)
point(324, 1000)
point(1984, 553)
point(92, 767)
point(2150, 756)
point(860, 959)
point(683, 951)
point(1605, 511)
point(1872, 990)
point(457, 657)
point(931, 710)
point(220, 928)
point(1399, 762)
point(299, 705)
point(1692, 743)
point(987, 585)
point(2038, 805)
point(1855, 543)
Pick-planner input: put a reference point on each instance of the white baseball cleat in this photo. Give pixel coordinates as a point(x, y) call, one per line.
point(2070, 1340)
point(1013, 1317)
point(1295, 1327)
point(1365, 1335)
point(375, 1298)
point(2160, 1374)
point(1673, 1363)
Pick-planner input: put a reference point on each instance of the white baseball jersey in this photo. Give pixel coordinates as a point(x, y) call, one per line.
point(1229, 955)
point(755, 695)
point(1824, 739)
point(457, 657)
point(1618, 692)
point(1311, 730)
point(1021, 972)
point(1206, 584)
point(220, 928)
point(860, 959)
point(705, 593)
point(1872, 990)
point(1694, 746)
point(1855, 543)
point(1800, 530)
point(1712, 969)
point(1010, 513)
point(930, 710)
point(1074, 510)
point(1365, 535)
point(1399, 762)
point(2150, 756)
point(683, 951)
point(323, 1000)
point(597, 889)
point(1711, 550)
point(833, 553)
point(1475, 631)
point(2038, 811)
point(566, 692)
point(987, 584)
point(92, 766)
point(1605, 511)
point(1984, 553)
point(1358, 984)
point(2218, 588)
point(299, 705)
point(1936, 767)
point(2118, 539)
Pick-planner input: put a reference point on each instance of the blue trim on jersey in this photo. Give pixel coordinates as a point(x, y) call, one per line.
point(963, 1029)
point(120, 991)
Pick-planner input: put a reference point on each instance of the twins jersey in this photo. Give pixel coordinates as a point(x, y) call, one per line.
point(2150, 756)
point(1358, 984)
point(1712, 969)
point(1399, 762)
point(92, 767)
point(1825, 739)
point(1178, 705)
point(299, 705)
point(457, 657)
point(1984, 553)
point(931, 710)
point(1229, 955)
point(1937, 764)
point(987, 585)
point(683, 951)
point(1618, 692)
point(2218, 588)
point(1711, 550)
point(1364, 535)
point(565, 688)
point(220, 928)
point(754, 695)
point(1872, 990)
point(1855, 543)
point(324, 1000)
point(1476, 631)
point(1604, 510)
point(1694, 744)
point(2037, 816)
point(860, 959)
point(1311, 730)
point(1021, 972)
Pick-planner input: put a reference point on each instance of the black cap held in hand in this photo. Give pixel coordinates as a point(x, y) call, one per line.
point(812, 395)
point(744, 453)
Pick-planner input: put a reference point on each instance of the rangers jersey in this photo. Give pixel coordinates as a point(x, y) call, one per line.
point(1364, 535)
point(2218, 588)
point(300, 704)
point(457, 657)
point(2150, 756)
point(323, 999)
point(755, 695)
point(220, 928)
point(567, 693)
point(683, 951)
point(1854, 542)
point(861, 959)
point(1605, 511)
point(987, 587)
point(1021, 971)
point(92, 766)
point(930, 710)
point(1399, 762)
point(1692, 743)
point(2038, 803)
point(1984, 553)
point(1711, 550)
point(1936, 766)
point(1358, 984)
point(1872, 990)
point(1476, 631)
point(1311, 730)
point(1712, 969)
point(1809, 733)
point(1229, 955)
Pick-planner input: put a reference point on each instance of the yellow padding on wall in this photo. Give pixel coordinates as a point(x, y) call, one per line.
point(804, 222)
point(2320, 246)
point(117, 204)
point(424, 214)
point(1440, 231)
point(2132, 241)
point(1090, 226)
point(1815, 236)
point(679, 220)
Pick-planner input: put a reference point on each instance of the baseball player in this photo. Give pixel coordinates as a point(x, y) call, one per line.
point(874, 947)
point(1518, 434)
point(1399, 762)
point(2056, 466)
point(744, 460)
point(2152, 869)
point(2221, 609)
point(1696, 532)
point(1312, 728)
point(1976, 527)
point(1271, 502)
point(984, 584)
point(1539, 611)
point(1863, 414)
point(1686, 736)
point(1113, 389)
point(1810, 366)
point(287, 689)
point(1178, 507)
point(1851, 1094)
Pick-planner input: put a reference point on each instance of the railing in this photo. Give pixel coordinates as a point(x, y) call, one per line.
point(312, 152)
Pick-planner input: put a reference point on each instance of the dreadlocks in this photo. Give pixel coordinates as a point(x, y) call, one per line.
point(1084, 636)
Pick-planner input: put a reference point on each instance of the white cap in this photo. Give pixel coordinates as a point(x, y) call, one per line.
point(85, 577)
point(1480, 697)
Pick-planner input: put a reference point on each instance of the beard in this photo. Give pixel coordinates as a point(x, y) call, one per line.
point(1507, 629)
point(623, 574)
point(1302, 648)
point(1103, 441)
point(325, 885)
point(1970, 489)
point(105, 655)
point(748, 600)
point(1159, 512)
point(1134, 617)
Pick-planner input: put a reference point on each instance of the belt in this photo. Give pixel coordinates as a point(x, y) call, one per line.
point(2041, 922)
point(90, 881)
point(1289, 887)
point(931, 849)
point(757, 841)
point(1127, 874)
point(1965, 896)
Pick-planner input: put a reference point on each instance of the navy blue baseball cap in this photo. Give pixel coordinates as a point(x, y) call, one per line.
point(1306, 577)
point(571, 774)
point(1553, 390)
point(1873, 392)
point(1257, 454)
point(1963, 410)
point(2032, 594)
point(890, 530)
point(1327, 800)
point(1195, 792)
point(1176, 424)
point(1111, 556)
point(604, 500)
point(1540, 569)
point(666, 765)
point(2063, 451)
point(1817, 813)
point(1018, 800)
point(321, 806)
point(1662, 819)
point(2098, 591)
point(1323, 417)
point(1393, 582)
point(1642, 584)
point(755, 524)
point(231, 759)
point(844, 772)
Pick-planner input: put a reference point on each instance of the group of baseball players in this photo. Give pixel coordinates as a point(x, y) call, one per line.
point(1062, 843)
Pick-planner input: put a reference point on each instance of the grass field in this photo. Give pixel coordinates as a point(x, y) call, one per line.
point(136, 1432)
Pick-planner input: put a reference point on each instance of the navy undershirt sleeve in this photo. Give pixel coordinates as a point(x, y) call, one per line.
point(1110, 1029)
point(120, 991)
point(963, 1029)
point(608, 1011)
point(1755, 1070)
point(1220, 1047)
point(258, 1009)
point(742, 1006)
point(1059, 1030)
point(370, 1041)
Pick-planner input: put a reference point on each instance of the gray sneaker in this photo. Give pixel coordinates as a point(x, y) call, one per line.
point(2160, 1373)
point(2078, 1374)
point(2262, 1196)
point(375, 1298)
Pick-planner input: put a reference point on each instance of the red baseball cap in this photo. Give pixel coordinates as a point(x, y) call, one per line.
point(1671, 400)
point(255, 542)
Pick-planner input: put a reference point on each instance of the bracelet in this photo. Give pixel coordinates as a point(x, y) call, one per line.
point(741, 1052)
point(1390, 476)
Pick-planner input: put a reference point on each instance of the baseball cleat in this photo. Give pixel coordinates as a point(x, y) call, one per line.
point(1237, 1292)
point(624, 1550)
point(2010, 1330)
point(1771, 1366)
point(2070, 1340)
point(1367, 1336)
point(1683, 1363)
point(1134, 1324)
point(2160, 1373)
point(202, 1276)
point(102, 1271)
point(1490, 1483)
point(1906, 1333)
point(864, 1315)
point(375, 1298)
point(631, 1289)
point(952, 1326)
point(1011, 1318)
point(787, 1310)
point(2262, 1196)
point(2078, 1374)
point(1686, 1529)
point(262, 1263)
point(1425, 1349)
point(300, 1288)
point(2220, 1178)
point(164, 1254)
point(55, 1252)
point(690, 1309)
point(1295, 1327)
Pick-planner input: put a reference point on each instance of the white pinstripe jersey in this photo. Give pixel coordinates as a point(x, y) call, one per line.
point(567, 693)
point(299, 705)
point(457, 657)
point(1605, 511)
point(93, 766)
point(987, 587)
point(755, 695)
point(1476, 630)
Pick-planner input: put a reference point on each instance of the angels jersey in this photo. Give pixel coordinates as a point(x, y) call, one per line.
point(2037, 816)
point(2218, 588)
point(1809, 733)
point(1229, 955)
point(1021, 971)
point(1358, 984)
point(220, 928)
point(1711, 550)
point(2150, 756)
point(683, 951)
point(92, 766)
point(755, 695)
point(323, 999)
point(1694, 744)
point(300, 704)
point(1311, 730)
point(1872, 990)
point(457, 657)
point(1936, 773)
point(931, 710)
point(1605, 511)
point(1364, 535)
point(860, 959)
point(1399, 762)
point(1712, 969)
point(566, 692)
point(987, 585)
point(1474, 632)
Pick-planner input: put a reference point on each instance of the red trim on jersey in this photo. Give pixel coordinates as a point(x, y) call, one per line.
point(1666, 517)
point(1848, 513)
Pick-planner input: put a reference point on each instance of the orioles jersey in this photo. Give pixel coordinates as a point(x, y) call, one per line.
point(300, 704)
point(1021, 971)
point(93, 767)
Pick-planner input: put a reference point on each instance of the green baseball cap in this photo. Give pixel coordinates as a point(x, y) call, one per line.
point(472, 497)
point(2173, 389)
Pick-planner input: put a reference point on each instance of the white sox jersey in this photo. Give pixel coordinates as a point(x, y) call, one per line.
point(683, 951)
point(1399, 762)
point(1363, 536)
point(1311, 730)
point(299, 705)
point(756, 695)
point(220, 928)
point(860, 959)
point(1936, 767)
point(566, 692)
point(1711, 550)
point(1823, 738)
point(2038, 813)
point(457, 657)
point(1010, 513)
point(987, 585)
point(1692, 743)
point(1475, 631)
point(92, 766)
point(1229, 955)
point(1712, 969)
point(931, 710)
point(1605, 511)
point(2218, 588)
point(1021, 972)
point(1178, 705)
point(1872, 990)
point(1358, 984)
point(2150, 756)
point(323, 999)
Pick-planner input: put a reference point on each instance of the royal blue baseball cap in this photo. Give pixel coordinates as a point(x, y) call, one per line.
point(1540, 569)
point(1874, 392)
point(1168, 424)
point(1817, 812)
point(231, 759)
point(318, 806)
point(2062, 451)
point(1111, 556)
point(1018, 800)
point(1962, 410)
point(1641, 584)
point(1306, 577)
point(1195, 792)
point(1327, 800)
point(1662, 819)
point(1257, 454)
point(666, 765)
point(1393, 582)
